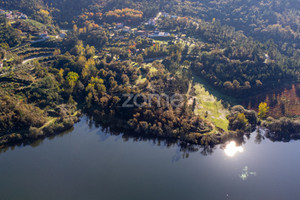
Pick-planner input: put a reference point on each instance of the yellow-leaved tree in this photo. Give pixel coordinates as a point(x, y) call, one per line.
point(72, 78)
point(263, 109)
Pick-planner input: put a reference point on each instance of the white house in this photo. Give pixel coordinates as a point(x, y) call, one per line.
point(266, 58)
point(119, 25)
point(23, 16)
point(165, 14)
point(62, 35)
point(44, 35)
point(141, 32)
point(9, 16)
point(126, 29)
point(160, 34)
point(152, 22)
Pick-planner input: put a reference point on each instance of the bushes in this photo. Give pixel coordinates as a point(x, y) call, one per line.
point(16, 115)
point(20, 121)
point(238, 122)
point(240, 118)
point(8, 34)
point(34, 133)
point(45, 92)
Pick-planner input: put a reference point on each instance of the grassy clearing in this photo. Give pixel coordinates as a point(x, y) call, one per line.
point(209, 106)
point(142, 78)
point(151, 68)
point(36, 24)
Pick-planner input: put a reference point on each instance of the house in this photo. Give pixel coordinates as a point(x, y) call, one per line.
point(165, 34)
point(119, 25)
point(165, 14)
point(119, 37)
point(126, 29)
point(140, 32)
point(44, 35)
point(23, 16)
point(266, 58)
point(9, 16)
point(62, 35)
point(159, 34)
point(152, 22)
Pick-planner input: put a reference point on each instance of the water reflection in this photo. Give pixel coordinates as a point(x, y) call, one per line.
point(231, 149)
point(245, 173)
point(33, 143)
point(111, 127)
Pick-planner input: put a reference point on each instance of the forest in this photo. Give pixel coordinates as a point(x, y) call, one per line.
point(78, 58)
point(265, 19)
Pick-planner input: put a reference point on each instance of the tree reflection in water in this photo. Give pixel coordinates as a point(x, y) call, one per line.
point(35, 142)
point(109, 127)
point(114, 127)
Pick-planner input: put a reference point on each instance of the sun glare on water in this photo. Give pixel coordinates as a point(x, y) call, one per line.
point(231, 149)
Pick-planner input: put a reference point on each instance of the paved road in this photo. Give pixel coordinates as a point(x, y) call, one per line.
point(28, 60)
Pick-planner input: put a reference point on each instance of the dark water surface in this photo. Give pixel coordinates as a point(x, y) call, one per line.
point(88, 164)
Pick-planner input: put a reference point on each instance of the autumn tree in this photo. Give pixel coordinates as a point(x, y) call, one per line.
point(72, 78)
point(90, 51)
point(89, 68)
point(75, 28)
point(238, 122)
point(263, 109)
point(56, 52)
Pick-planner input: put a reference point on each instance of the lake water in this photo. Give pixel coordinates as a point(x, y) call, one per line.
point(89, 164)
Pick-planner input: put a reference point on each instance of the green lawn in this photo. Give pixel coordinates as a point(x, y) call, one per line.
point(142, 78)
point(210, 106)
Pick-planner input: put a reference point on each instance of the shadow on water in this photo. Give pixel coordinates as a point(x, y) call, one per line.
point(35, 143)
point(109, 127)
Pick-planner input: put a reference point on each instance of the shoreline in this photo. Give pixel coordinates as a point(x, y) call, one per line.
point(117, 126)
point(53, 127)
